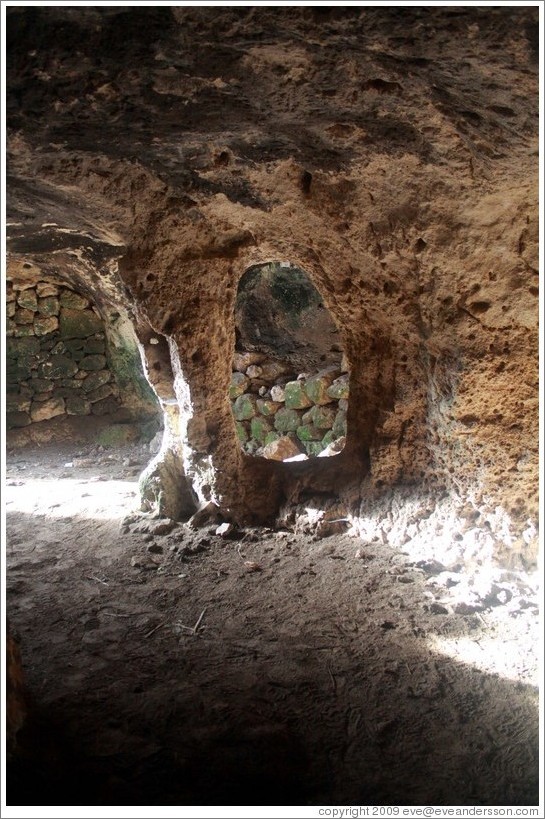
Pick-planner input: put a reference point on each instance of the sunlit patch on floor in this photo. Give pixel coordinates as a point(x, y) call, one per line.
point(509, 659)
point(69, 497)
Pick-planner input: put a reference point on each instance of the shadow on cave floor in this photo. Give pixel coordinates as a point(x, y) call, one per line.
point(173, 667)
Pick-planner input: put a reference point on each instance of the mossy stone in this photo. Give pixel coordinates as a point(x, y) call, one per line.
point(28, 300)
point(94, 345)
point(78, 323)
point(308, 432)
point(17, 419)
point(239, 384)
point(267, 408)
point(22, 347)
point(339, 427)
point(259, 429)
point(48, 306)
point(286, 420)
point(76, 405)
point(95, 380)
point(92, 362)
point(105, 407)
point(23, 330)
point(313, 448)
point(15, 402)
point(244, 407)
point(316, 389)
point(73, 301)
point(41, 384)
point(43, 325)
point(99, 394)
point(58, 366)
point(295, 396)
point(242, 434)
point(270, 437)
point(24, 316)
point(322, 417)
point(340, 389)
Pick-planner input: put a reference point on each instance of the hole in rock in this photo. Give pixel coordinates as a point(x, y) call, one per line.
point(290, 379)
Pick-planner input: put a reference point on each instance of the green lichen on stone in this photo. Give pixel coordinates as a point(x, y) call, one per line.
point(286, 420)
point(73, 301)
point(267, 408)
point(259, 429)
point(78, 323)
point(76, 405)
point(316, 389)
point(95, 380)
point(24, 316)
point(48, 306)
point(308, 432)
point(58, 366)
point(23, 330)
point(92, 362)
point(339, 427)
point(313, 448)
point(126, 367)
point(322, 417)
point(295, 396)
point(45, 324)
point(328, 438)
point(94, 345)
point(28, 300)
point(239, 383)
point(244, 407)
point(270, 437)
point(242, 434)
point(340, 389)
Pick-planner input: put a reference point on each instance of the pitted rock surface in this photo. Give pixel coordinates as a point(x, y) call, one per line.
point(156, 154)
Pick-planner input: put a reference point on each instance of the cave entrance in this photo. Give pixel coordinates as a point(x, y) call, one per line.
point(290, 381)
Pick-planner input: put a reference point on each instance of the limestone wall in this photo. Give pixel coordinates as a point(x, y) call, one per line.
point(57, 361)
point(279, 416)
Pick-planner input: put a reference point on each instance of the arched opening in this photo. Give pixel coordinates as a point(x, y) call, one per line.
point(290, 381)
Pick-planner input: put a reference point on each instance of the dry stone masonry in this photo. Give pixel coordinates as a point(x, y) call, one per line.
point(281, 417)
point(56, 354)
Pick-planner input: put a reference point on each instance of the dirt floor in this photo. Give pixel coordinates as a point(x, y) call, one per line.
point(173, 666)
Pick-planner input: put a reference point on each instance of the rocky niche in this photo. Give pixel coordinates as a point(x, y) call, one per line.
point(58, 359)
point(290, 382)
point(282, 417)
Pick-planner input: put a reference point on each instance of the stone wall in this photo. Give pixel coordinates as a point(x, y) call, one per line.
point(279, 416)
point(57, 362)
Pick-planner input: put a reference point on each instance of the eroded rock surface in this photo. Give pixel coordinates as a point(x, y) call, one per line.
point(156, 154)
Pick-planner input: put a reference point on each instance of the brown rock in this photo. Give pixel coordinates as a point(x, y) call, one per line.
point(43, 411)
point(281, 449)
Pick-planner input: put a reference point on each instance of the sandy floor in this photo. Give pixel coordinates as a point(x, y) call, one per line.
point(172, 666)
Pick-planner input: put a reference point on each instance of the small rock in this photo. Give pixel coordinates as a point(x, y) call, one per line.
point(281, 449)
point(228, 530)
point(437, 608)
point(155, 549)
point(207, 513)
point(431, 567)
point(252, 566)
point(145, 563)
